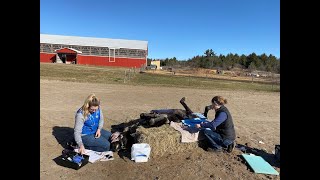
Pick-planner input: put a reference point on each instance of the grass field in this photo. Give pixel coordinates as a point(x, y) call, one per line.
point(115, 75)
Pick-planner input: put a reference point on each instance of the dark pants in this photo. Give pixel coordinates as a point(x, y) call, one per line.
point(215, 139)
point(100, 144)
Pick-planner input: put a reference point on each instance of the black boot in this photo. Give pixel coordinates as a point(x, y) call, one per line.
point(231, 147)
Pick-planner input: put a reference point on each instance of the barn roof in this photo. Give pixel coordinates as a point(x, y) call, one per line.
point(91, 41)
point(68, 50)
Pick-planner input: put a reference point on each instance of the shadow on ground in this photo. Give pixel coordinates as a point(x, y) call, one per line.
point(270, 158)
point(63, 135)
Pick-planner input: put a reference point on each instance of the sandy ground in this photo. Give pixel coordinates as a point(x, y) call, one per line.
point(229, 75)
point(256, 116)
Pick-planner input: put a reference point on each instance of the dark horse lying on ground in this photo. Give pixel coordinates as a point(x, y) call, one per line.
point(155, 118)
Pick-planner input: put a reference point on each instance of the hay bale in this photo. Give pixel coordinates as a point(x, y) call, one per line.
point(163, 140)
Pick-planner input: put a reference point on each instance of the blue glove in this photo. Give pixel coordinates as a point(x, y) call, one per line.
point(77, 159)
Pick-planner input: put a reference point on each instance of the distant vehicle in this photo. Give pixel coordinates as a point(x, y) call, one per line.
point(255, 74)
point(151, 67)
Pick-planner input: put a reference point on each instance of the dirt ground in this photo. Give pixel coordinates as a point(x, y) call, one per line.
point(256, 116)
point(228, 75)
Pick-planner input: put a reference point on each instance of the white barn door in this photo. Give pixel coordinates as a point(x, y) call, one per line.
point(112, 55)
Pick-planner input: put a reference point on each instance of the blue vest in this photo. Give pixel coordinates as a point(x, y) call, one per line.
point(91, 123)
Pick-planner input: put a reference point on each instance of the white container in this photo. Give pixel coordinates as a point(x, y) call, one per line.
point(140, 152)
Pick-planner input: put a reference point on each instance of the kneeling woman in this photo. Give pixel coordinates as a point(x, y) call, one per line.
point(220, 133)
point(88, 132)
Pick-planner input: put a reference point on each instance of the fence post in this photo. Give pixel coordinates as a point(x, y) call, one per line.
point(272, 80)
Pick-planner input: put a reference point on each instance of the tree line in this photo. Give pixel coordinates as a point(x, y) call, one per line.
point(210, 60)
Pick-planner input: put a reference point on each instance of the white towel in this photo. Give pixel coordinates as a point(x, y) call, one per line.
point(187, 134)
point(95, 156)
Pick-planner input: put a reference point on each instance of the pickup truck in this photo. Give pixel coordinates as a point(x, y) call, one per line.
point(151, 67)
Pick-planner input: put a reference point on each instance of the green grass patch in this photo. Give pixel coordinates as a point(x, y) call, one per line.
point(116, 75)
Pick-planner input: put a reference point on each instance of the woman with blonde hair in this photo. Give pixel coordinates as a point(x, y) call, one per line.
point(220, 132)
point(88, 132)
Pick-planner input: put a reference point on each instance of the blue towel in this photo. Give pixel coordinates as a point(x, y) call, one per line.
point(199, 115)
point(192, 122)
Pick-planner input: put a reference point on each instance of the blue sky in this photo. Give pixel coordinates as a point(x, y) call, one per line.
point(173, 28)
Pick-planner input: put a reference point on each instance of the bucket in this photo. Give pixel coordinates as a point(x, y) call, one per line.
point(140, 152)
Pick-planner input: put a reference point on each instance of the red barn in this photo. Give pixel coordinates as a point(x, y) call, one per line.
point(93, 51)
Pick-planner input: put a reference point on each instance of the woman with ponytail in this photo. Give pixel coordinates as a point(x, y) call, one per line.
point(88, 132)
point(220, 132)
